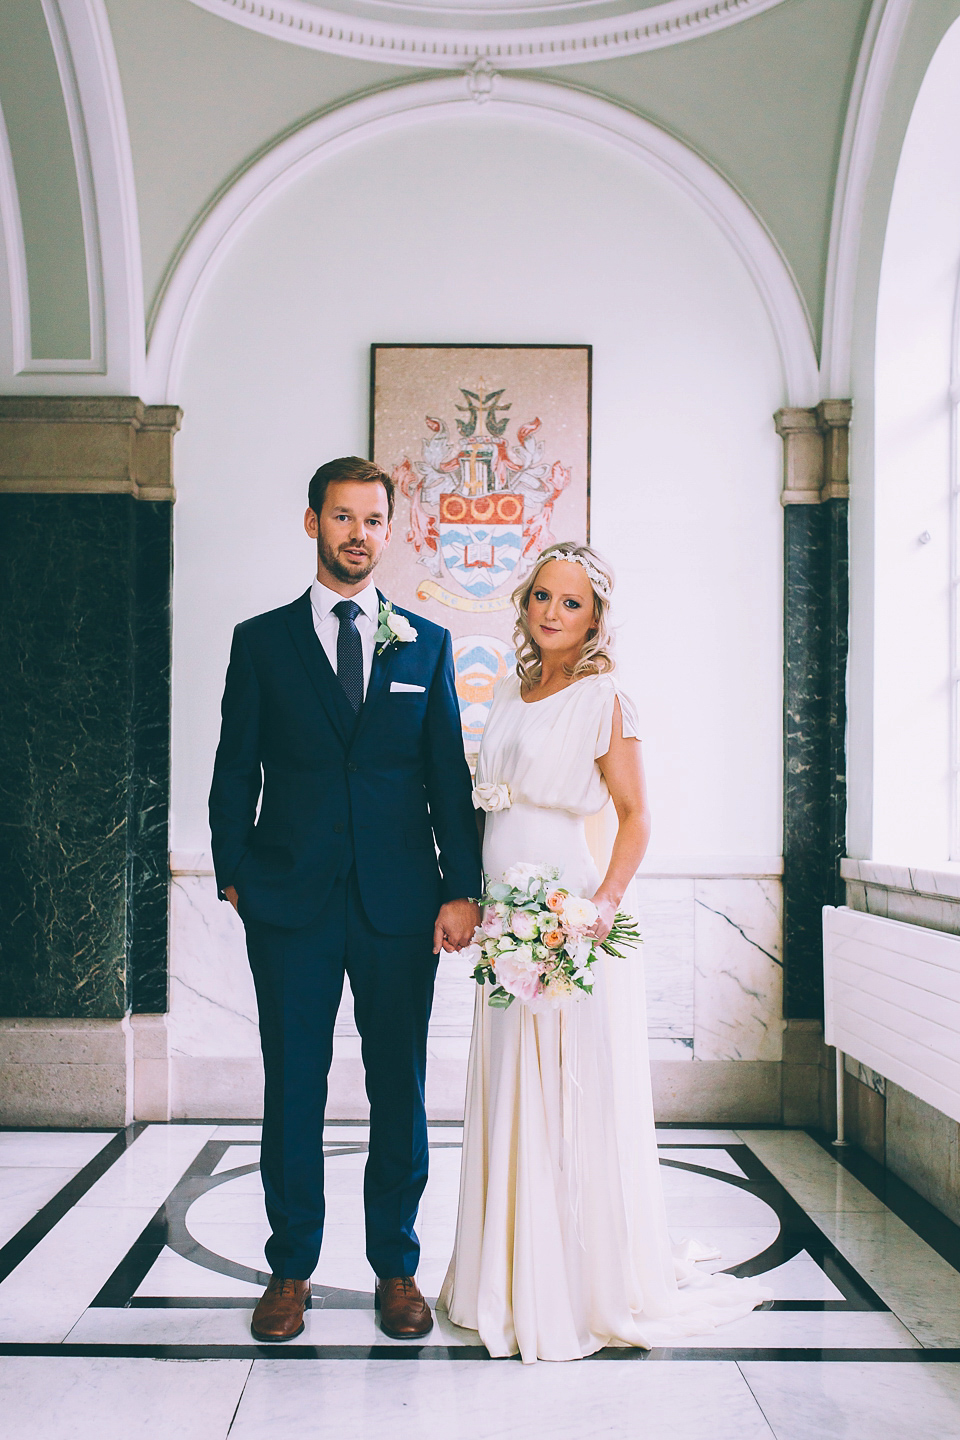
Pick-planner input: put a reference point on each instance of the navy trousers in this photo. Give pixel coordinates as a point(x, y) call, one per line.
point(298, 976)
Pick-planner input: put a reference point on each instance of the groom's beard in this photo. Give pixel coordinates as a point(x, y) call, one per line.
point(349, 570)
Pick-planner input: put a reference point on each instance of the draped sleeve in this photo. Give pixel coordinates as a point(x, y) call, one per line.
point(611, 693)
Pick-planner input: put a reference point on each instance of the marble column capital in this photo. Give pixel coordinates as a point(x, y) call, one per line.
point(815, 452)
point(88, 445)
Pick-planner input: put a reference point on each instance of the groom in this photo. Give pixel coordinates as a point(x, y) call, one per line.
point(361, 860)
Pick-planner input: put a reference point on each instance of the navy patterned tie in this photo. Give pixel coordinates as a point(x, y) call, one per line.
point(349, 652)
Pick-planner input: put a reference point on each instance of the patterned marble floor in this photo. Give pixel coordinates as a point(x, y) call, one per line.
point(123, 1256)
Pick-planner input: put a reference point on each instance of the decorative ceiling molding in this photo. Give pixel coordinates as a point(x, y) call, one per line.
point(514, 98)
point(498, 31)
point(90, 80)
point(882, 38)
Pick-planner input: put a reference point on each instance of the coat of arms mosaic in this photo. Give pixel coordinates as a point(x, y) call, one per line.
point(489, 446)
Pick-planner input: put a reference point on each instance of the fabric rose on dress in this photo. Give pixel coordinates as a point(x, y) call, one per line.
point(523, 924)
point(490, 796)
point(578, 913)
point(518, 972)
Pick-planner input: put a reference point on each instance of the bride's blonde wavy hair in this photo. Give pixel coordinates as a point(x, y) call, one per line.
point(596, 657)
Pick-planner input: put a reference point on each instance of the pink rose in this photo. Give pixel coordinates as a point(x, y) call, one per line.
point(491, 923)
point(555, 899)
point(518, 972)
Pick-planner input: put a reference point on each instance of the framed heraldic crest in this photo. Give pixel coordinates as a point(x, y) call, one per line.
point(489, 446)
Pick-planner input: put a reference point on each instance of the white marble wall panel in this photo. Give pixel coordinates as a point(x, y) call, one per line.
point(213, 1009)
point(711, 956)
point(738, 1005)
point(664, 910)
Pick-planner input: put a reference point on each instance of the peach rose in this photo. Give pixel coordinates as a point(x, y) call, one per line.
point(555, 899)
point(553, 939)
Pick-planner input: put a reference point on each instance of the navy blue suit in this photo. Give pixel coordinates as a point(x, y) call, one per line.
point(366, 827)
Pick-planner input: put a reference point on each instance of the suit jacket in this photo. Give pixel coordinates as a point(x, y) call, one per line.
point(375, 789)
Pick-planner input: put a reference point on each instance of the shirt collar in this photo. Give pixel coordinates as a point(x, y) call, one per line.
point(323, 599)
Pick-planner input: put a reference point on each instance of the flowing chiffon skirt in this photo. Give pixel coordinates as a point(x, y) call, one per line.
point(562, 1244)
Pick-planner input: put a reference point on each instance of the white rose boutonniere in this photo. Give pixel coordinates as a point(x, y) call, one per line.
point(392, 628)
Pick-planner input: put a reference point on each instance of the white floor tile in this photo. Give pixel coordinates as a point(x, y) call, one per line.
point(61, 1149)
point(171, 1274)
point(709, 1159)
point(67, 1398)
point(666, 1136)
point(801, 1279)
point(852, 1401)
point(736, 1243)
point(810, 1329)
point(237, 1132)
point(235, 1156)
point(25, 1191)
point(147, 1172)
point(469, 1400)
point(918, 1285)
point(808, 1173)
point(42, 1299)
point(232, 1327)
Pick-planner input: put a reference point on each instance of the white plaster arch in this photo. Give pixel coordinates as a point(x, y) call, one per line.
point(885, 29)
point(83, 45)
point(524, 100)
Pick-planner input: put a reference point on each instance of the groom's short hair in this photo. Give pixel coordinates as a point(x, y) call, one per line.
point(351, 468)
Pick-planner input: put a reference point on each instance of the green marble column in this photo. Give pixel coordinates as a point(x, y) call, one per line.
point(85, 569)
point(814, 704)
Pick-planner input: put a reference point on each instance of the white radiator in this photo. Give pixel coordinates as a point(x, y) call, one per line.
point(892, 1001)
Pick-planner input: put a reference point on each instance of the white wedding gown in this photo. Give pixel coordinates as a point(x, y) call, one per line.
point(562, 1244)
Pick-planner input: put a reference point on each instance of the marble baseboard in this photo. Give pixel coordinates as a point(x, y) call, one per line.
point(233, 1089)
point(736, 1091)
point(66, 1072)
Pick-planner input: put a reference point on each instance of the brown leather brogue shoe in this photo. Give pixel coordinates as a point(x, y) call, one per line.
point(404, 1314)
point(279, 1312)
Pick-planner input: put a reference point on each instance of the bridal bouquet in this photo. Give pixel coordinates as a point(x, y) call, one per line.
point(532, 944)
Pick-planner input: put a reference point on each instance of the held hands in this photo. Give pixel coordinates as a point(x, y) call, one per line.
point(603, 924)
point(455, 925)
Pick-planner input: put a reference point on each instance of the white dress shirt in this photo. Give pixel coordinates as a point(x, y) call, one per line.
point(327, 625)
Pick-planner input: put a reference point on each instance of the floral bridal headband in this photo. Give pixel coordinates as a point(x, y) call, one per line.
point(597, 579)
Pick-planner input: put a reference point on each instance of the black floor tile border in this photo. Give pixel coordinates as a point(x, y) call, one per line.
point(18, 1247)
point(472, 1352)
point(923, 1218)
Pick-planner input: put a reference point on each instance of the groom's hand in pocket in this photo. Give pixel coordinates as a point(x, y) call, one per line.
point(455, 925)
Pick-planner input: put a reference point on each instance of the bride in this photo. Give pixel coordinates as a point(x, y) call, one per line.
point(562, 1244)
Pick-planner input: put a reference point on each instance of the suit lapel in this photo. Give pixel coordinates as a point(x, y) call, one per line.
point(300, 624)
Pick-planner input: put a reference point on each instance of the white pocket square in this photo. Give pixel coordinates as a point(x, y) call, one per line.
point(397, 686)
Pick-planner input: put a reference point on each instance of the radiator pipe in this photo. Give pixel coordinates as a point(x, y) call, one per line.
point(841, 1137)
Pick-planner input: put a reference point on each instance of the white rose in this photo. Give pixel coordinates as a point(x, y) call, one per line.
point(400, 626)
point(490, 796)
point(578, 912)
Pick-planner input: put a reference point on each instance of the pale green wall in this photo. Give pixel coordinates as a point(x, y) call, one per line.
point(765, 102)
point(203, 96)
point(36, 120)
